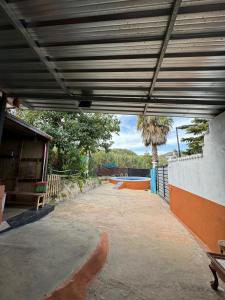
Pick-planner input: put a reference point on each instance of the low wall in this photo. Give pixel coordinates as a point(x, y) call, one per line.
point(71, 190)
point(203, 217)
point(132, 184)
point(197, 189)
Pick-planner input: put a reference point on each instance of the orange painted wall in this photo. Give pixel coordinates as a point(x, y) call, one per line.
point(205, 218)
point(133, 185)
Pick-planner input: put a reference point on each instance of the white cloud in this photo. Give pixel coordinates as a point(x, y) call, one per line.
point(130, 138)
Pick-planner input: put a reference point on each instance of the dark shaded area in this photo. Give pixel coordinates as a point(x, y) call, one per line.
point(29, 216)
point(138, 172)
point(103, 171)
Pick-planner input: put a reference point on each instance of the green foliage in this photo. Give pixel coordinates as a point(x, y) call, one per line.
point(74, 135)
point(154, 131)
point(195, 142)
point(123, 158)
point(78, 179)
point(123, 151)
point(94, 131)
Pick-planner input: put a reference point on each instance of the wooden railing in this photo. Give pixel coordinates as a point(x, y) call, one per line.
point(54, 186)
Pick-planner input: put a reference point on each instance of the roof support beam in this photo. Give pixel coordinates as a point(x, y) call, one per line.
point(33, 45)
point(169, 31)
point(44, 98)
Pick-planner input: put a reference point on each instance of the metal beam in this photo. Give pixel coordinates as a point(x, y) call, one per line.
point(30, 97)
point(128, 112)
point(29, 81)
point(169, 31)
point(218, 90)
point(137, 110)
point(19, 26)
point(121, 102)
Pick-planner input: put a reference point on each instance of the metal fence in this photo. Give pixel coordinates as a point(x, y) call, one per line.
point(103, 171)
point(162, 183)
point(138, 172)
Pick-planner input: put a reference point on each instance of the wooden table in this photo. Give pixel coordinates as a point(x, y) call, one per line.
point(217, 266)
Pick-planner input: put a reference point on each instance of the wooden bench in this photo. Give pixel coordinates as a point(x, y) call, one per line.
point(217, 267)
point(25, 199)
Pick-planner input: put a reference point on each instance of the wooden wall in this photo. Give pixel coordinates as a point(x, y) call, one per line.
point(21, 161)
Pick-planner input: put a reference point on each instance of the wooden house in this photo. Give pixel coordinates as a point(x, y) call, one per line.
point(23, 162)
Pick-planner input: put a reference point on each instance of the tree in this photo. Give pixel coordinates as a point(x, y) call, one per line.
point(198, 129)
point(154, 131)
point(122, 158)
point(74, 134)
point(94, 131)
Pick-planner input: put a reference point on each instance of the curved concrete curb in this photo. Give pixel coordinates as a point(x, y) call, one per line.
point(75, 288)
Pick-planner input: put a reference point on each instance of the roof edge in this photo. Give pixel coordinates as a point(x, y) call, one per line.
point(28, 126)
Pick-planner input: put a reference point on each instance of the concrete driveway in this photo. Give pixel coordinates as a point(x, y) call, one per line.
point(152, 256)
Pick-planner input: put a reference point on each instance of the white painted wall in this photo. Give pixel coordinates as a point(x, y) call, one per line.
point(204, 175)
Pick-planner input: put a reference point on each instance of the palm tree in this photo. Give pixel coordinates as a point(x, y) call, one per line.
point(154, 131)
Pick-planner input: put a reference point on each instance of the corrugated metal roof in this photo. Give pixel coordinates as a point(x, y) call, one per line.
point(160, 57)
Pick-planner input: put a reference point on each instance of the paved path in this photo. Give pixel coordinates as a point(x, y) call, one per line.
point(152, 256)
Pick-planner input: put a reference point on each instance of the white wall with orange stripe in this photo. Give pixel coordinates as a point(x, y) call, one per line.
point(197, 187)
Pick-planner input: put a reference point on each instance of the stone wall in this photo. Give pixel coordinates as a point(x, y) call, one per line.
point(71, 190)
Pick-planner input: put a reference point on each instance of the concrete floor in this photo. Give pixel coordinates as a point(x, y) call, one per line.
point(37, 258)
point(152, 256)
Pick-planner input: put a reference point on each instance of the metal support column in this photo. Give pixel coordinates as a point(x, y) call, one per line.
point(154, 180)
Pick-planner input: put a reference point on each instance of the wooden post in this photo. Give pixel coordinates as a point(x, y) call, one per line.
point(3, 101)
point(2, 201)
point(45, 162)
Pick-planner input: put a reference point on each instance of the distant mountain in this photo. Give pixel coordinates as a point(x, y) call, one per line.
point(122, 151)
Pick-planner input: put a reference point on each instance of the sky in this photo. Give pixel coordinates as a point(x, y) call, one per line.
point(130, 138)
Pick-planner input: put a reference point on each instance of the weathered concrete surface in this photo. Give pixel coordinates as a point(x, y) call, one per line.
point(37, 258)
point(71, 190)
point(152, 256)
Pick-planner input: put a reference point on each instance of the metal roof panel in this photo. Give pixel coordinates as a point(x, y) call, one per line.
point(164, 56)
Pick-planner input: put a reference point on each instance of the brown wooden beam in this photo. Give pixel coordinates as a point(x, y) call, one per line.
point(3, 101)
